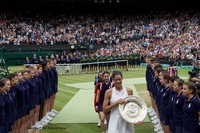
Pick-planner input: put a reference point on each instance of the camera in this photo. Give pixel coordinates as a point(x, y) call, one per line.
point(192, 74)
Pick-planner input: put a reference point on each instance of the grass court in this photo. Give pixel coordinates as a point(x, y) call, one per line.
point(71, 85)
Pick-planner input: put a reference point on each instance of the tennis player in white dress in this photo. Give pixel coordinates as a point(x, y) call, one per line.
point(114, 97)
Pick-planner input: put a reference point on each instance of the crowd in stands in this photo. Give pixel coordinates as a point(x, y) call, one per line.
point(163, 34)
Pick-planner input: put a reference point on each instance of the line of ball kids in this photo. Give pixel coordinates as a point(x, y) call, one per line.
point(27, 98)
point(175, 103)
point(103, 82)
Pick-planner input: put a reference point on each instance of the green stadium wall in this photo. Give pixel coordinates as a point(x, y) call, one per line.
point(19, 58)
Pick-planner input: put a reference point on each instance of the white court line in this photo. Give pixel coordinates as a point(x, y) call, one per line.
point(67, 91)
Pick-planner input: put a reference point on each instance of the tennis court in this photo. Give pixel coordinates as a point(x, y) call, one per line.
point(80, 108)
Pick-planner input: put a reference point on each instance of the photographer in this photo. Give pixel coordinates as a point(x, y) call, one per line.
point(195, 75)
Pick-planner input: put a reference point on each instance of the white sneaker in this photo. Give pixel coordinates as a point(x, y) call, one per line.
point(150, 109)
point(98, 125)
point(45, 120)
point(51, 114)
point(54, 111)
point(33, 127)
point(157, 125)
point(154, 117)
point(157, 129)
point(48, 117)
point(152, 114)
point(37, 126)
point(161, 131)
point(155, 121)
point(42, 123)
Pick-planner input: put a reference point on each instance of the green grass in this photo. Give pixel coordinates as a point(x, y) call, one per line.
point(63, 97)
point(90, 128)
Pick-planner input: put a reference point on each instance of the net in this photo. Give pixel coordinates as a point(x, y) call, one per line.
point(92, 67)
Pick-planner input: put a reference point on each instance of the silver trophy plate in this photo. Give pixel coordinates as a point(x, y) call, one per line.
point(133, 110)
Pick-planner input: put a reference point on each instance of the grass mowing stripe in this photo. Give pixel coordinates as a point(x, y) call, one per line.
point(67, 91)
point(76, 79)
point(68, 88)
point(72, 79)
point(62, 98)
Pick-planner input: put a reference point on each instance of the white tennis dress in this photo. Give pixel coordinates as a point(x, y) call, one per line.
point(116, 123)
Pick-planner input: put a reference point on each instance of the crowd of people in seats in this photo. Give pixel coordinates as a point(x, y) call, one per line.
point(27, 98)
point(175, 102)
point(163, 34)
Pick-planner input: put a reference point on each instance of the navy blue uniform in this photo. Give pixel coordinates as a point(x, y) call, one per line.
point(34, 60)
point(58, 60)
point(40, 61)
point(51, 77)
point(8, 111)
point(191, 116)
point(67, 60)
point(27, 99)
point(97, 80)
point(77, 59)
point(159, 96)
point(170, 111)
point(148, 77)
point(28, 62)
point(2, 114)
point(153, 85)
point(164, 106)
point(48, 82)
point(32, 93)
point(14, 98)
point(36, 80)
point(157, 86)
point(20, 94)
point(178, 112)
point(72, 59)
point(40, 90)
point(62, 61)
point(44, 85)
point(55, 80)
point(103, 87)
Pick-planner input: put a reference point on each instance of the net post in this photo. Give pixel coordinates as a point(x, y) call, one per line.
point(24, 66)
point(126, 65)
